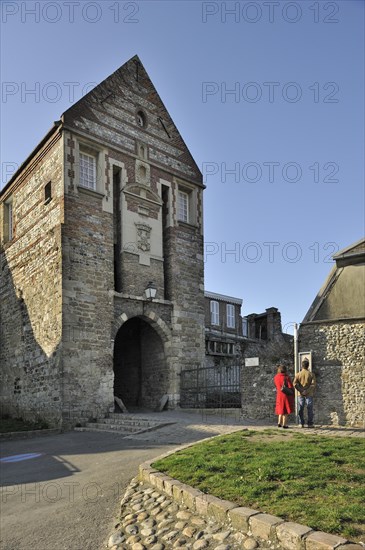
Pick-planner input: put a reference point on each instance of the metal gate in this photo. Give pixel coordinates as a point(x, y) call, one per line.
point(211, 387)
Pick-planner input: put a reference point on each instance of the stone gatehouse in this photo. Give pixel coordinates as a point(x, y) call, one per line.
point(107, 206)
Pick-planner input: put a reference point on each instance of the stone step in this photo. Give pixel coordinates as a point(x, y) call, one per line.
point(130, 418)
point(129, 421)
point(128, 427)
point(87, 429)
point(116, 427)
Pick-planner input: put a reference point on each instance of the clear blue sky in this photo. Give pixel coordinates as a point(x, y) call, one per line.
point(292, 131)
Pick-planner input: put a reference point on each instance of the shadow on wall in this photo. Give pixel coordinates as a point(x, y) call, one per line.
point(30, 371)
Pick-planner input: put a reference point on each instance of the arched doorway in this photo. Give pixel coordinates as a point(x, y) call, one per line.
point(140, 372)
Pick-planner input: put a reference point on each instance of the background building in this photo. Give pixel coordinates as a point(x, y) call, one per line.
point(216, 383)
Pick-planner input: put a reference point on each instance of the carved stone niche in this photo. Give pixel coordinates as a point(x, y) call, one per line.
point(142, 150)
point(143, 236)
point(143, 173)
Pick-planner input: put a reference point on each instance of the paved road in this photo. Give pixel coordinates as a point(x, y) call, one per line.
point(67, 497)
point(66, 494)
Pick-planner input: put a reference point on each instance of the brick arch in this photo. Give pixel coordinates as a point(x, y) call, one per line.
point(151, 318)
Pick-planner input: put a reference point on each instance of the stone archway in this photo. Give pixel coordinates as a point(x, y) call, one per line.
point(139, 362)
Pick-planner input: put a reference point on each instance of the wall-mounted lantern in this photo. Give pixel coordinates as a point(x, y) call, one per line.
point(150, 291)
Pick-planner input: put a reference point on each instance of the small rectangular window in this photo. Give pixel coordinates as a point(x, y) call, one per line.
point(183, 207)
point(8, 222)
point(48, 193)
point(87, 171)
point(214, 312)
point(244, 326)
point(230, 316)
point(209, 346)
point(11, 220)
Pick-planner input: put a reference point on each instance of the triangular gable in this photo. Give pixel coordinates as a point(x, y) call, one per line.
point(352, 254)
point(354, 248)
point(108, 114)
point(322, 294)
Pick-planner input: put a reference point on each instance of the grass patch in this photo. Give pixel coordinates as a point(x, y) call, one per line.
point(19, 425)
point(313, 480)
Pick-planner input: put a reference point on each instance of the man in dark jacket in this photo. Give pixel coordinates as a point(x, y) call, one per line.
point(305, 383)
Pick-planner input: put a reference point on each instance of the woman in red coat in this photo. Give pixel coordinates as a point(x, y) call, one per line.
point(284, 403)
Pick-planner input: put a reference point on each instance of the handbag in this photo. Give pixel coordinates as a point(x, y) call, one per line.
point(286, 390)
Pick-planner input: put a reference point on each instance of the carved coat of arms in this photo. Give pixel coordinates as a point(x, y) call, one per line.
point(143, 236)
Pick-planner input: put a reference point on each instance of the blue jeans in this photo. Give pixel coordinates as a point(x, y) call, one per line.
point(302, 401)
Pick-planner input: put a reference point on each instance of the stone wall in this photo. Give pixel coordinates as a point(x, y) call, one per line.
point(338, 356)
point(87, 244)
point(186, 272)
point(135, 277)
point(31, 293)
point(258, 391)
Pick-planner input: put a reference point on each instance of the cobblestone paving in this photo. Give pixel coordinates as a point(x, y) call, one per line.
point(150, 520)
